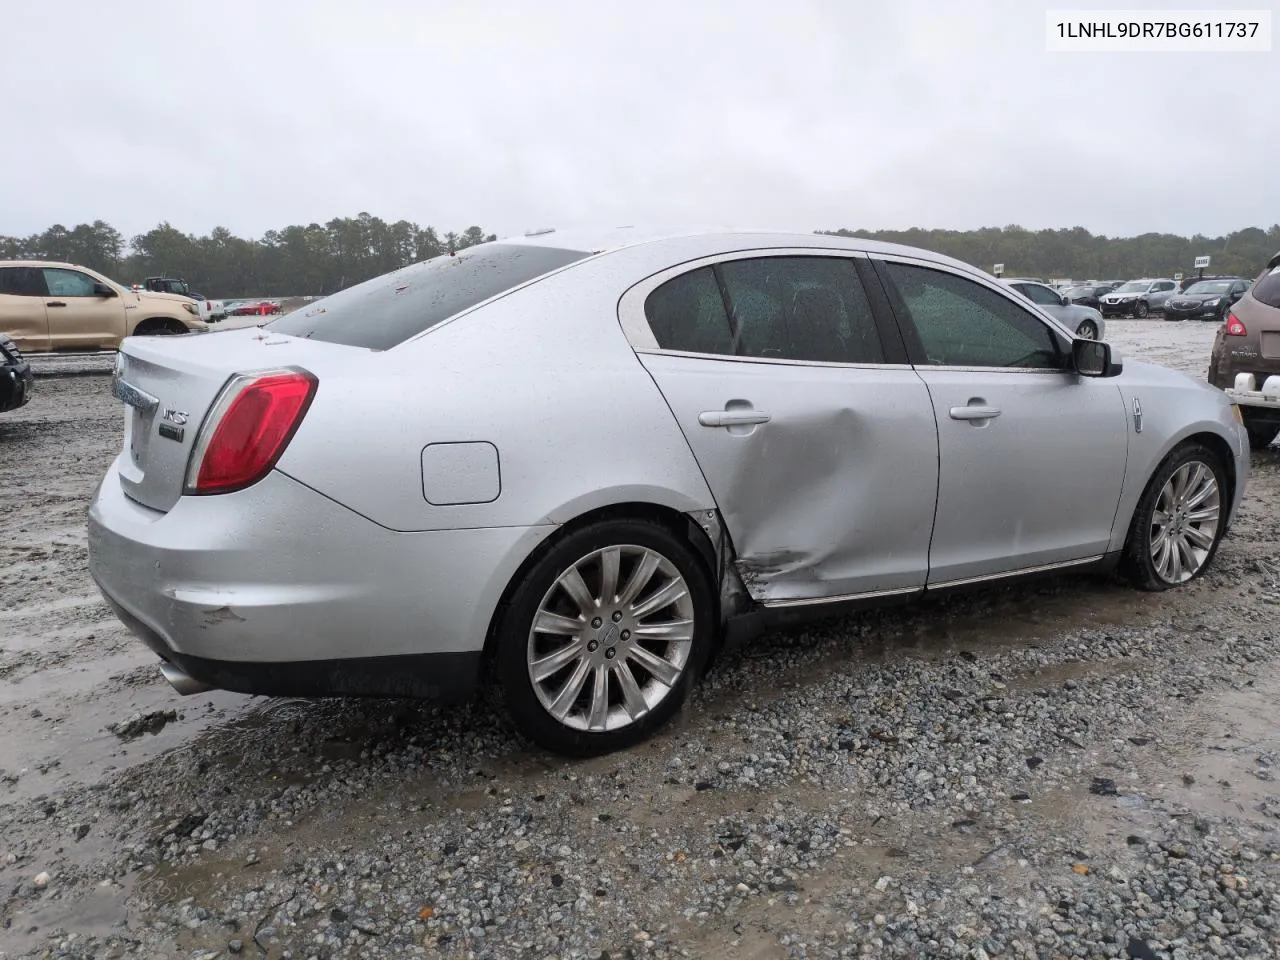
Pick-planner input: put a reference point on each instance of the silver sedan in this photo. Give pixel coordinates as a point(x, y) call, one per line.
point(573, 464)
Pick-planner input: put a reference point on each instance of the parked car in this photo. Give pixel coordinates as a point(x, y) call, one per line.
point(1245, 361)
point(256, 308)
point(1137, 298)
point(1087, 294)
point(369, 495)
point(1084, 321)
point(16, 380)
point(1207, 300)
point(210, 311)
point(46, 306)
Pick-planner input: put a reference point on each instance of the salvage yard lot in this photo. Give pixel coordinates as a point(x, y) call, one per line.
point(1065, 768)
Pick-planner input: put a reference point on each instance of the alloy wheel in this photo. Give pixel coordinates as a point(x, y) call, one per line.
point(1184, 524)
point(611, 638)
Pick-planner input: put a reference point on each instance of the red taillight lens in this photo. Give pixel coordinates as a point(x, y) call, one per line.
point(249, 427)
point(1234, 327)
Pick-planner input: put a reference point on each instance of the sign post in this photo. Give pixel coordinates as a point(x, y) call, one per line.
point(998, 269)
point(1201, 264)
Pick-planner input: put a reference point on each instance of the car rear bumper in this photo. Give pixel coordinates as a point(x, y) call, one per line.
point(280, 591)
point(1247, 392)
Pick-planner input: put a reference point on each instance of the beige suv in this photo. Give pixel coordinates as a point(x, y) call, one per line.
point(47, 306)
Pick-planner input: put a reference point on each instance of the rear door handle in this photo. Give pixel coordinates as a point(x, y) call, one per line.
point(55, 303)
point(731, 418)
point(974, 413)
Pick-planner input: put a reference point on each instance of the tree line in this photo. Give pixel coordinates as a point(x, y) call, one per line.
point(298, 260)
point(321, 259)
point(1075, 253)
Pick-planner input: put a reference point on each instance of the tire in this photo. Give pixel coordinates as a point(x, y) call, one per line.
point(1140, 310)
point(1088, 330)
point(556, 710)
point(1145, 564)
point(158, 328)
point(1261, 433)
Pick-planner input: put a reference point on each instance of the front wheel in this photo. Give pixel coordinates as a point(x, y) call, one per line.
point(604, 637)
point(1179, 521)
point(1140, 310)
point(1088, 330)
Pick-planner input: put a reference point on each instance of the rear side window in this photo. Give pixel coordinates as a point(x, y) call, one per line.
point(778, 308)
point(1267, 289)
point(387, 310)
point(22, 282)
point(687, 313)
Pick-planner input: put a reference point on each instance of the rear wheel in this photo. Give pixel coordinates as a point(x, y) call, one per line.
point(1179, 521)
point(604, 637)
point(1140, 310)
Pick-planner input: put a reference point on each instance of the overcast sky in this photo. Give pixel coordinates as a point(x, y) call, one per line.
point(512, 114)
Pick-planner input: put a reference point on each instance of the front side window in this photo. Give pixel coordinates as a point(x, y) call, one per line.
point(68, 283)
point(964, 324)
point(1162, 287)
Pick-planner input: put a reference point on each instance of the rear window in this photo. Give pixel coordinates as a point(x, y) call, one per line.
point(1267, 289)
point(387, 310)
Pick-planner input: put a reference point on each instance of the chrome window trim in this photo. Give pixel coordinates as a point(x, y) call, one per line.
point(1018, 300)
point(771, 361)
point(635, 325)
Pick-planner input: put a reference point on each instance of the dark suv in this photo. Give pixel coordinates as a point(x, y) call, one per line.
point(1246, 356)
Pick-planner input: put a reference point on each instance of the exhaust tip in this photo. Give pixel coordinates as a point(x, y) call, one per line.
point(182, 681)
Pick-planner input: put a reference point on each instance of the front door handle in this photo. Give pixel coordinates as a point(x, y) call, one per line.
point(731, 418)
point(55, 303)
point(974, 412)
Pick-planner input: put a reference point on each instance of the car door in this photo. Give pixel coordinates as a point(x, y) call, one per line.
point(22, 311)
point(1161, 291)
point(1031, 455)
point(78, 317)
point(815, 435)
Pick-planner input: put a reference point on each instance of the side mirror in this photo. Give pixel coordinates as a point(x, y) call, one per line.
point(102, 290)
point(1064, 300)
point(1092, 358)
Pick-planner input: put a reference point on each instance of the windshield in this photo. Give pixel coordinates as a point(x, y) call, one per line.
point(387, 310)
point(1133, 286)
point(1210, 286)
point(1079, 291)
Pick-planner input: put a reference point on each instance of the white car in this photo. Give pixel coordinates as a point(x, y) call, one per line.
point(573, 464)
point(1085, 321)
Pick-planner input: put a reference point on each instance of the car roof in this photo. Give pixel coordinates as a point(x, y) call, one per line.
point(41, 263)
point(716, 239)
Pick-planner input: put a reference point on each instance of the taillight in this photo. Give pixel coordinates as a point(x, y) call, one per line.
point(1234, 327)
point(251, 423)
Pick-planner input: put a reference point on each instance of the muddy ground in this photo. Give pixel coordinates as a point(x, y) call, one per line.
point(177, 838)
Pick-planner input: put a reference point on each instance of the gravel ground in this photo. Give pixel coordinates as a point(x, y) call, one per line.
point(1060, 769)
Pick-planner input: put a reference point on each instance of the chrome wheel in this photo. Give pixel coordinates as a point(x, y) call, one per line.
point(1087, 331)
point(1184, 524)
point(611, 638)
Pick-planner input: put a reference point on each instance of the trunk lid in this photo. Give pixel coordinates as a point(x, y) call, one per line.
point(169, 384)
